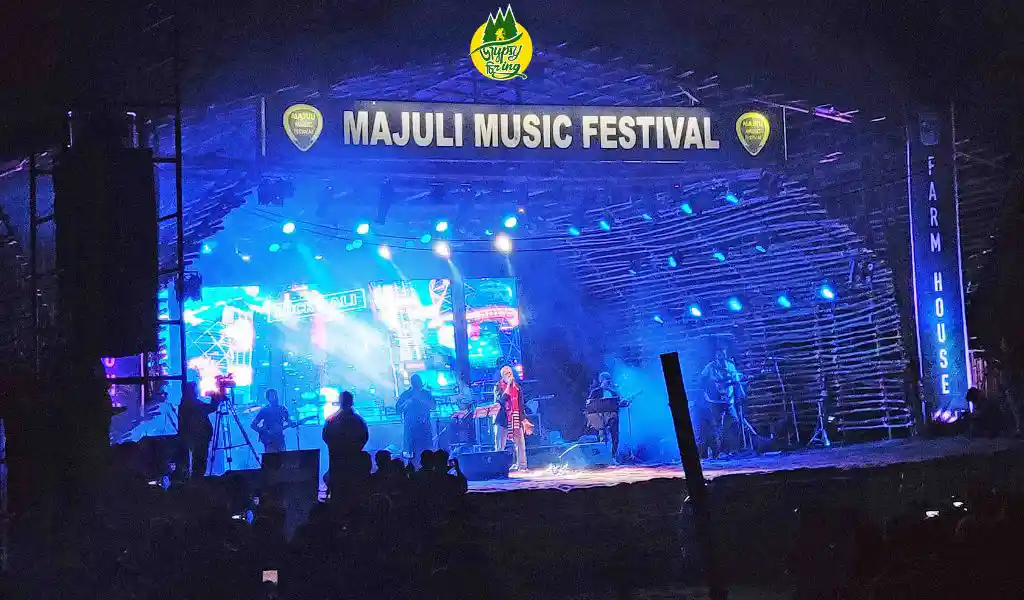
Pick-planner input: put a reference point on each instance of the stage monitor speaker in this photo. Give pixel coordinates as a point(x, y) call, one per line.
point(481, 466)
point(544, 456)
point(105, 211)
point(582, 456)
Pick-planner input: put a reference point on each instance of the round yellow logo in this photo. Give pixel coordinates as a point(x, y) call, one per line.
point(501, 48)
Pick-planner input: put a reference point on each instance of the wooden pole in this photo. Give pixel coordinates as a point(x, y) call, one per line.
point(695, 483)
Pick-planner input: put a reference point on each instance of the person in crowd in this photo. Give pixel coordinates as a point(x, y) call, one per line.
point(415, 405)
point(271, 422)
point(345, 434)
point(195, 428)
point(509, 422)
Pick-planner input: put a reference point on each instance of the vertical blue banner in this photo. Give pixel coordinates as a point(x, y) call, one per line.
point(935, 250)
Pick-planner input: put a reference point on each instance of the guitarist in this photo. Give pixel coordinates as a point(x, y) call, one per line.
point(271, 422)
point(603, 406)
point(721, 388)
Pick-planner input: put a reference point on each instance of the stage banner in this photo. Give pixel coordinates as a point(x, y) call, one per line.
point(935, 249)
point(329, 131)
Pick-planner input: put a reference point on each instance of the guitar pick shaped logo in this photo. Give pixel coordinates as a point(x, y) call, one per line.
point(753, 129)
point(303, 124)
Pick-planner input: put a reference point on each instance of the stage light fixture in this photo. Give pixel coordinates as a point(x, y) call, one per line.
point(673, 262)
point(718, 255)
point(695, 311)
point(384, 252)
point(349, 247)
point(441, 226)
point(732, 198)
point(207, 248)
point(425, 238)
point(363, 228)
point(288, 227)
point(511, 221)
point(784, 301)
point(827, 292)
point(605, 223)
point(503, 243)
point(488, 232)
point(658, 319)
point(686, 208)
point(318, 257)
point(760, 247)
point(274, 247)
point(574, 231)
point(245, 257)
point(734, 304)
point(442, 249)
point(357, 244)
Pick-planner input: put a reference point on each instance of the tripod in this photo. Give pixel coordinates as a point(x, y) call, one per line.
point(222, 433)
point(820, 432)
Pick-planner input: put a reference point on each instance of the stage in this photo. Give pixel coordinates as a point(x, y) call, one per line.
point(859, 456)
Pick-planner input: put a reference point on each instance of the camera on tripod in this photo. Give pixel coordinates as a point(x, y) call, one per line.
point(225, 383)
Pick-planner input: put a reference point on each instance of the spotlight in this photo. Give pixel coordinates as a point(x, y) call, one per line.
point(245, 257)
point(695, 311)
point(288, 227)
point(574, 231)
point(732, 198)
point(672, 261)
point(659, 320)
point(579, 215)
point(718, 255)
point(503, 243)
point(511, 221)
point(734, 304)
point(349, 247)
point(686, 208)
point(425, 238)
point(784, 301)
point(274, 247)
point(441, 226)
point(384, 252)
point(207, 248)
point(605, 223)
point(356, 244)
point(488, 232)
point(827, 292)
point(363, 228)
point(760, 247)
point(318, 257)
point(443, 250)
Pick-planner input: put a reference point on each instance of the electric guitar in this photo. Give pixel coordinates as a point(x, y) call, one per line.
point(609, 405)
point(269, 432)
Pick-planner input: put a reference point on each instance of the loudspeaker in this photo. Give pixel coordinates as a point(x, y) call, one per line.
point(480, 466)
point(582, 456)
point(105, 212)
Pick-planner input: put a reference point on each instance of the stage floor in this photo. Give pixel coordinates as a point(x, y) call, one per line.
point(859, 456)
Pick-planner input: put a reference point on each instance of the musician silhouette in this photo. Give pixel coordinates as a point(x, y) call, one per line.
point(603, 406)
point(721, 423)
point(271, 422)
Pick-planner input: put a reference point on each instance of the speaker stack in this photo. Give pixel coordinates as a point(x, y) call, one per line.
point(105, 211)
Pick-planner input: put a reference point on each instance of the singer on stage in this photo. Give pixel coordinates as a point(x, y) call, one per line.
point(509, 422)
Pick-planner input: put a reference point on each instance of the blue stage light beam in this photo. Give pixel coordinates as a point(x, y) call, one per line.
point(442, 249)
point(384, 252)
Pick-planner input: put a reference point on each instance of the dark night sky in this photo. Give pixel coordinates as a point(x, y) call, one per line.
point(852, 53)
